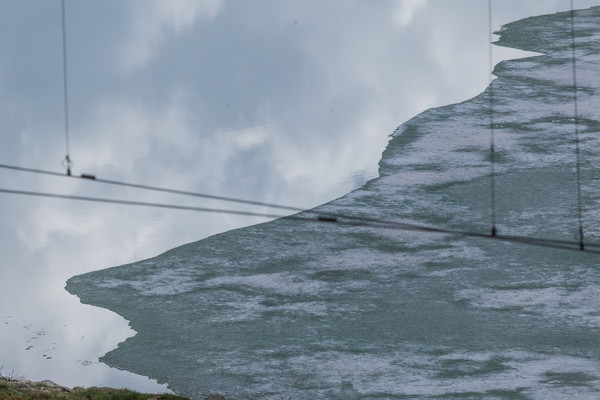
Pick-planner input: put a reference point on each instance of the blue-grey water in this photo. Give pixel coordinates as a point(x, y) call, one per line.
point(262, 100)
point(322, 310)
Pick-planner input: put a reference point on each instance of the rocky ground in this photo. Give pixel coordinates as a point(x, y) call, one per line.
point(13, 389)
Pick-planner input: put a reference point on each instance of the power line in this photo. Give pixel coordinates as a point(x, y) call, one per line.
point(140, 203)
point(491, 112)
point(334, 218)
point(67, 160)
point(576, 116)
point(322, 216)
point(93, 178)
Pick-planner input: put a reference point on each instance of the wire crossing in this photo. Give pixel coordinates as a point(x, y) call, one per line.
point(67, 160)
point(576, 117)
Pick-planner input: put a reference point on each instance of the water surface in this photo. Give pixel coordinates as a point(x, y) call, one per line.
point(266, 101)
point(335, 310)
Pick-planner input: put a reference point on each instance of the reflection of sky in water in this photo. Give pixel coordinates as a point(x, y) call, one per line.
point(288, 102)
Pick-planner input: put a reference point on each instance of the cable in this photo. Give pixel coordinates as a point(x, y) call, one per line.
point(140, 203)
point(328, 218)
point(67, 160)
point(491, 112)
point(576, 115)
point(93, 178)
point(324, 217)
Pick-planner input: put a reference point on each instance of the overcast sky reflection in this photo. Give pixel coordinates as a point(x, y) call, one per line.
point(290, 102)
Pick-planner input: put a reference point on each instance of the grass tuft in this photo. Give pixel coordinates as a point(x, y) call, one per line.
point(20, 389)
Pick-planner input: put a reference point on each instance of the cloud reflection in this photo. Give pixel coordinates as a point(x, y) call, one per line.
point(280, 101)
point(405, 11)
point(152, 22)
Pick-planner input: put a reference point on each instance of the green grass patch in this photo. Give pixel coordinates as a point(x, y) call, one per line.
point(24, 390)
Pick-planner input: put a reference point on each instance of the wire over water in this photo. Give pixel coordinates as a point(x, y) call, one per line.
point(326, 217)
point(336, 218)
point(576, 117)
point(491, 113)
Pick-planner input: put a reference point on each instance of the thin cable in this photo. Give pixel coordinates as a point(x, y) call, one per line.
point(576, 115)
point(369, 223)
point(322, 216)
point(141, 203)
point(67, 160)
point(92, 178)
point(491, 112)
point(152, 188)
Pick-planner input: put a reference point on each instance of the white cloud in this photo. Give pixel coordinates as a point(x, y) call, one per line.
point(153, 21)
point(179, 15)
point(405, 11)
